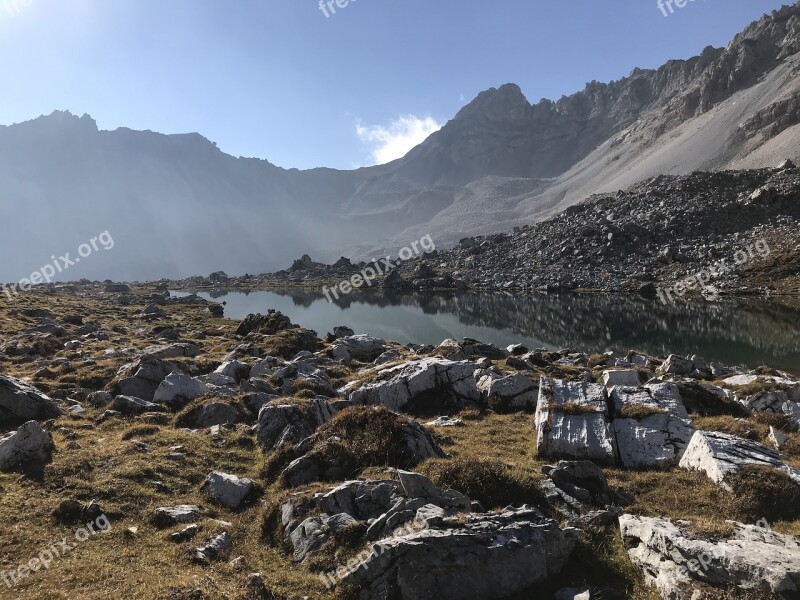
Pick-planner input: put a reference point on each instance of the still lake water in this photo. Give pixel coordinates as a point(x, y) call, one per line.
point(745, 332)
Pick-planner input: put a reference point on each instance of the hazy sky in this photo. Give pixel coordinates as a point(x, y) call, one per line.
point(279, 80)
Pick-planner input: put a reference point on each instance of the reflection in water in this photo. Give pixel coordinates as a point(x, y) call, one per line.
point(744, 332)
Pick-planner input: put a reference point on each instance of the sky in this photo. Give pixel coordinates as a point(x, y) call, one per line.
point(303, 87)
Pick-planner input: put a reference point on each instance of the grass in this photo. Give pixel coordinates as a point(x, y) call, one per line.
point(492, 458)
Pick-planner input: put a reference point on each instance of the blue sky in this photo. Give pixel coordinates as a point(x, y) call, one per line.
point(279, 80)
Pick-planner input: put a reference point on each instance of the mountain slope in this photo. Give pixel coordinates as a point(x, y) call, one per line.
point(178, 206)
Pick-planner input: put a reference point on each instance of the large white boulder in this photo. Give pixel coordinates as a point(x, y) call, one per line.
point(452, 382)
point(28, 444)
point(625, 377)
point(178, 389)
point(720, 454)
point(364, 348)
point(651, 425)
point(228, 490)
point(678, 563)
point(572, 421)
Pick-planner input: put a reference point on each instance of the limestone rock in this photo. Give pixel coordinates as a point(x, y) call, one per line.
point(178, 389)
point(20, 402)
point(451, 382)
point(719, 454)
point(651, 425)
point(487, 556)
point(228, 490)
point(363, 348)
point(130, 405)
point(142, 378)
point(676, 562)
point(514, 392)
point(28, 444)
point(280, 424)
point(572, 421)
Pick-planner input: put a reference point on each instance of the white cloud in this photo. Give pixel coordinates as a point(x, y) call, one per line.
point(394, 140)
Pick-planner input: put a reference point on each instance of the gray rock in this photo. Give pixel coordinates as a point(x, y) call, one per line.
point(164, 516)
point(445, 421)
point(142, 378)
point(651, 426)
point(453, 383)
point(217, 413)
point(572, 421)
point(623, 377)
point(178, 350)
point(720, 454)
point(675, 365)
point(514, 392)
point(20, 402)
point(677, 563)
point(178, 389)
point(218, 548)
point(363, 348)
point(30, 444)
point(228, 490)
point(290, 423)
point(486, 556)
point(130, 405)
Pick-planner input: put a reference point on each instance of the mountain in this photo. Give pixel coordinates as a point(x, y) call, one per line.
point(177, 206)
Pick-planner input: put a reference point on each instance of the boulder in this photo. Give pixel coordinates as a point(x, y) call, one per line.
point(574, 487)
point(268, 324)
point(178, 350)
point(572, 421)
point(679, 563)
point(451, 383)
point(217, 413)
point(514, 392)
point(720, 454)
point(228, 490)
point(142, 378)
point(178, 389)
point(28, 445)
point(234, 369)
point(382, 504)
point(487, 556)
point(20, 402)
point(363, 348)
point(623, 377)
point(280, 424)
point(651, 425)
point(675, 365)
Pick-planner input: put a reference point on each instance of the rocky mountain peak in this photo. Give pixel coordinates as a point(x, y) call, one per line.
point(497, 104)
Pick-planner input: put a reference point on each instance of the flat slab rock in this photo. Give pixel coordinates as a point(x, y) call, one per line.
point(453, 382)
point(486, 556)
point(720, 454)
point(678, 563)
point(572, 421)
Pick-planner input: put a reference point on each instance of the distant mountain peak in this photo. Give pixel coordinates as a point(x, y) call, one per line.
point(495, 104)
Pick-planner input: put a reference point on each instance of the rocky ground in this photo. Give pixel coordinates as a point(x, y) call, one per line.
point(650, 236)
point(255, 459)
